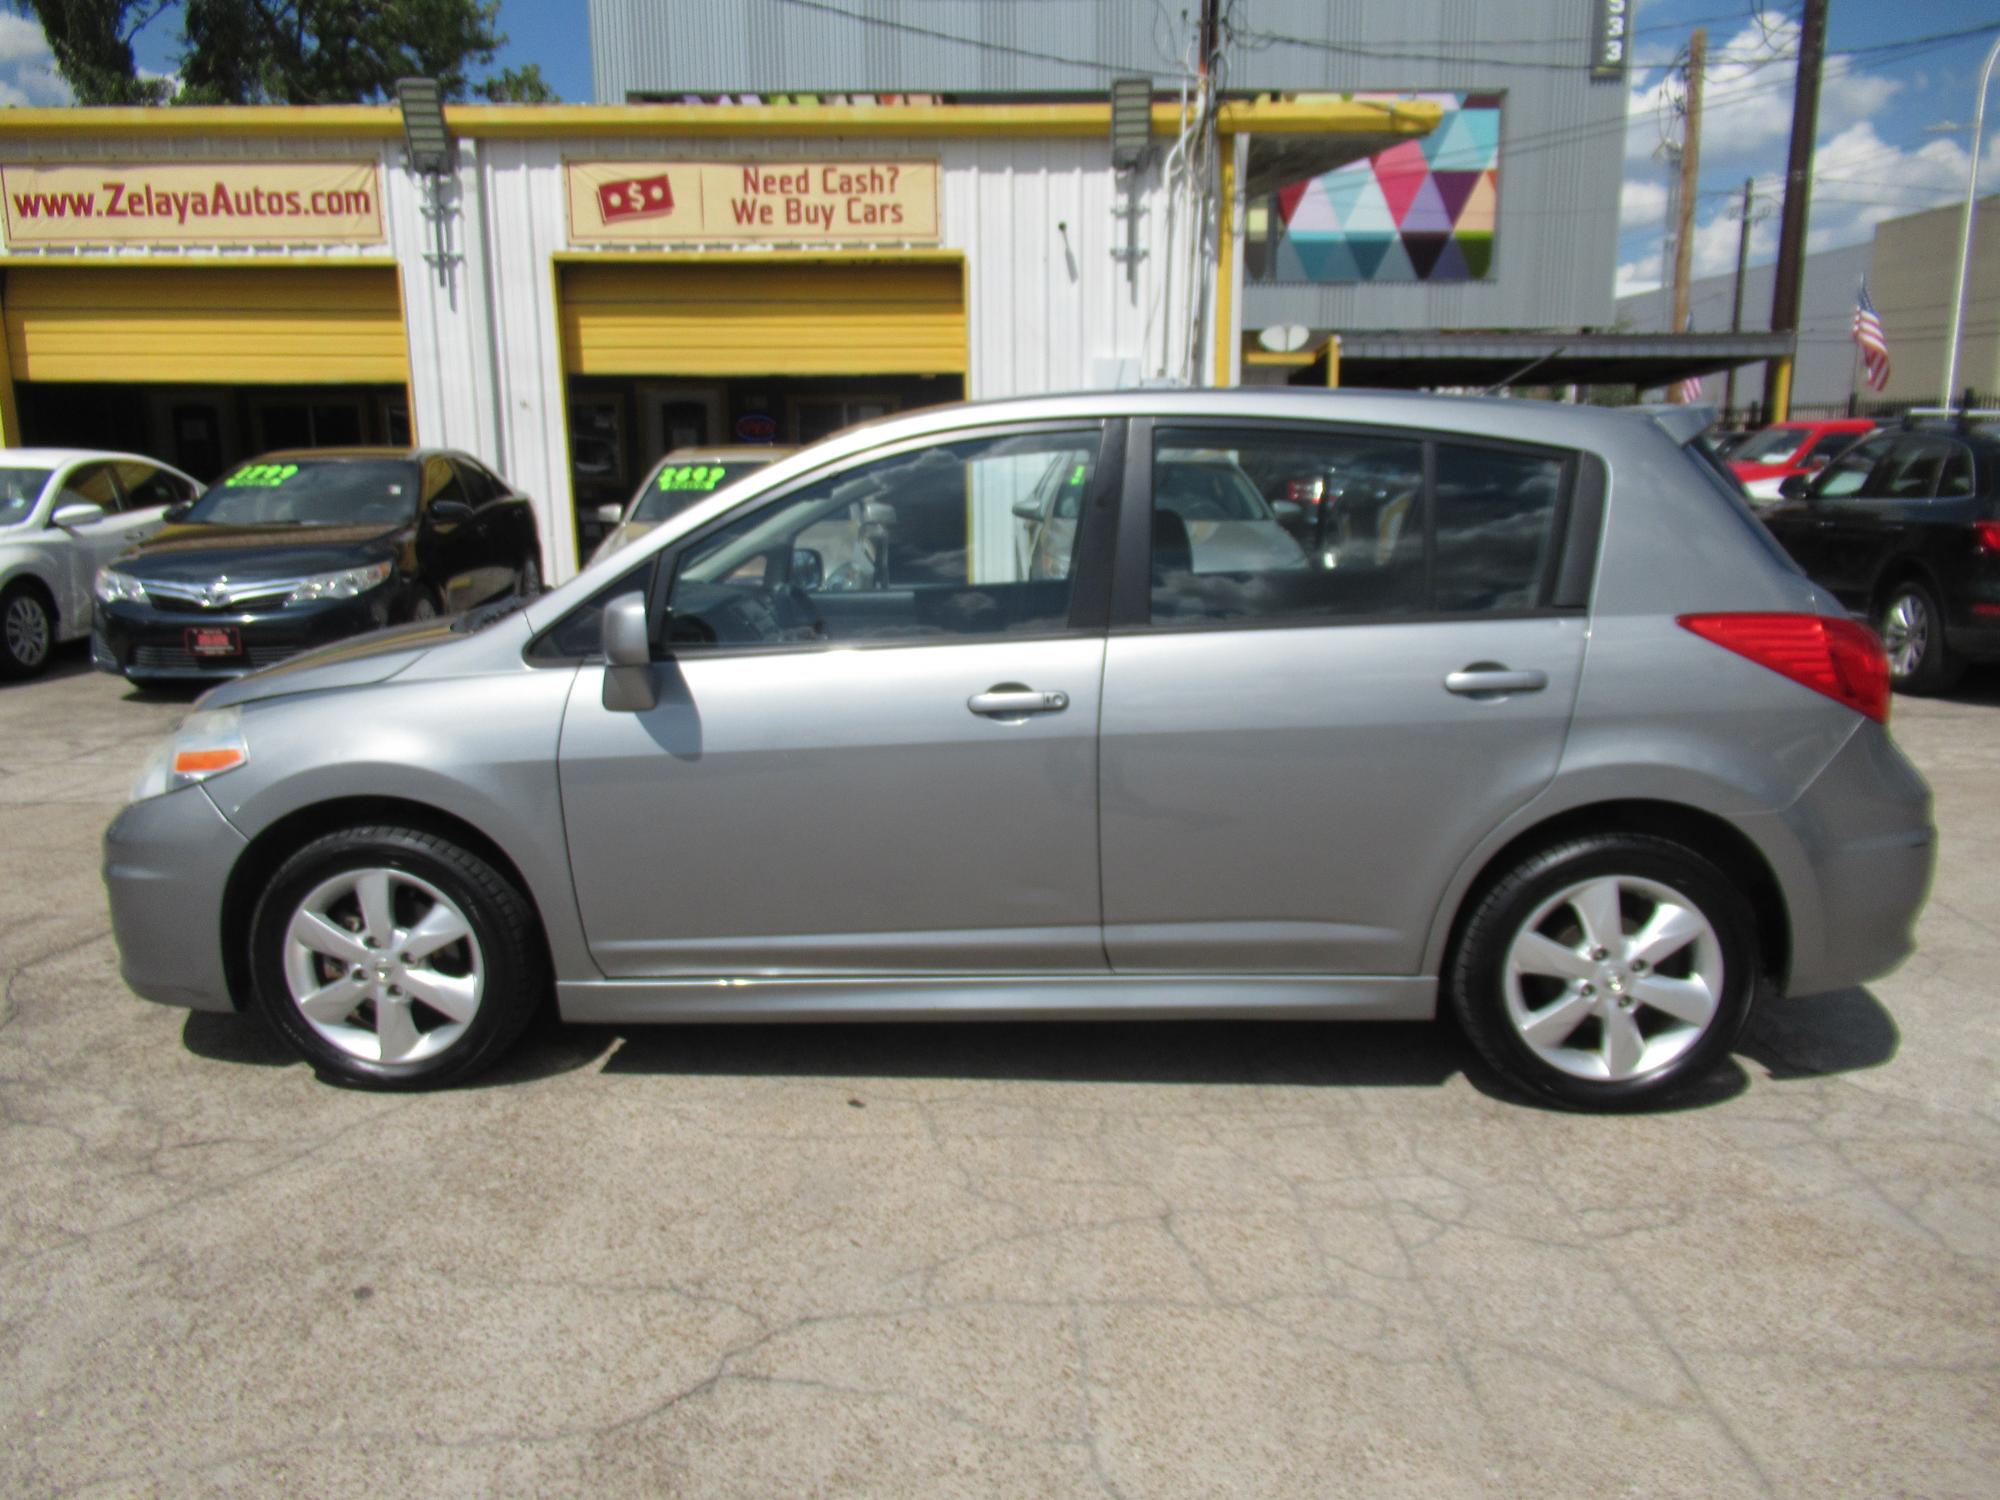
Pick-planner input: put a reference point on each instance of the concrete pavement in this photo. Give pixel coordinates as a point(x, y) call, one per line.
point(1028, 1260)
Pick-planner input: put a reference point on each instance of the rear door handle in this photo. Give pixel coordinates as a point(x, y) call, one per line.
point(1009, 701)
point(1477, 681)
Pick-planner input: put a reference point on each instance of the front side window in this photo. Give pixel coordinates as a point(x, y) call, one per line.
point(1854, 472)
point(146, 486)
point(917, 547)
point(1774, 445)
point(1264, 524)
point(90, 484)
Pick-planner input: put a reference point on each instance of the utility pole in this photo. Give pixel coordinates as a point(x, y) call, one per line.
point(1690, 176)
point(1736, 307)
point(1798, 196)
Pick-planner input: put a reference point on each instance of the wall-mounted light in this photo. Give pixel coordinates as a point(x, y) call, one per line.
point(1131, 122)
point(424, 135)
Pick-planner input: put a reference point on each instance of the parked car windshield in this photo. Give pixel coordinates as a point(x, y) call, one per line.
point(1772, 445)
point(19, 490)
point(673, 487)
point(306, 492)
point(1205, 489)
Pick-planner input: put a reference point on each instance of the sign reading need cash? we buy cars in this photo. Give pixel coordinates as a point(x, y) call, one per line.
point(752, 202)
point(192, 203)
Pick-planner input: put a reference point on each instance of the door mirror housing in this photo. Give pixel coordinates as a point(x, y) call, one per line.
point(1290, 513)
point(177, 512)
point(808, 569)
point(610, 515)
point(1793, 486)
point(628, 656)
point(1027, 510)
point(77, 513)
point(445, 512)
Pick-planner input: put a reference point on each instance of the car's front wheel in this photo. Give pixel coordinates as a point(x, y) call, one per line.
point(1607, 972)
point(393, 958)
point(1912, 629)
point(27, 631)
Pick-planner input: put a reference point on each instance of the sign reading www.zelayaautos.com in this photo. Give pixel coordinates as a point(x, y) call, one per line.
point(193, 203)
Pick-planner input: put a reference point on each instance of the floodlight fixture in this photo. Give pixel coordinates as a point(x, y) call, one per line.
point(1131, 122)
point(424, 135)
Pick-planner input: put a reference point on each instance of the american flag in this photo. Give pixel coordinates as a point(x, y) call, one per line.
point(1688, 392)
point(1868, 334)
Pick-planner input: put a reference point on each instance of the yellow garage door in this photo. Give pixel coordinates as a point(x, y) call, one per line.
point(318, 325)
point(779, 318)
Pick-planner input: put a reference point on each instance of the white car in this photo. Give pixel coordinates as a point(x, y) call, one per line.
point(65, 513)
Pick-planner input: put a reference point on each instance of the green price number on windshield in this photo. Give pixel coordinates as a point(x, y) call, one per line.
point(260, 476)
point(698, 477)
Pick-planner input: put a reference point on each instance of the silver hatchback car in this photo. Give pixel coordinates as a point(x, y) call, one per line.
point(1548, 730)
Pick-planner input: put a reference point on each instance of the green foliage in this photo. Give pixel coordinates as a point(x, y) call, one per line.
point(285, 51)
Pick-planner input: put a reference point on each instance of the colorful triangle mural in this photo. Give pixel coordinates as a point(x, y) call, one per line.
point(1423, 210)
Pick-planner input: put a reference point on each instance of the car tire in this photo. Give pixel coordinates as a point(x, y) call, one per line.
point(1657, 1012)
point(441, 953)
point(1912, 629)
point(424, 604)
point(27, 631)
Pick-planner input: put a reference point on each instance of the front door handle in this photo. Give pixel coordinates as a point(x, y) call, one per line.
point(1010, 700)
point(1480, 679)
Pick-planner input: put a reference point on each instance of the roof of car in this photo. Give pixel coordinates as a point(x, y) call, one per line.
point(730, 454)
point(49, 458)
point(345, 454)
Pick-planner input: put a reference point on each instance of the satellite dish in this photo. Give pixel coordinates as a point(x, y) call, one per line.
point(1285, 338)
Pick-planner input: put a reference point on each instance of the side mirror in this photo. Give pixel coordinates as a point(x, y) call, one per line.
point(878, 513)
point(628, 656)
point(1794, 486)
point(444, 512)
point(808, 569)
point(1818, 460)
point(1289, 512)
point(177, 512)
point(610, 515)
point(77, 513)
point(1027, 510)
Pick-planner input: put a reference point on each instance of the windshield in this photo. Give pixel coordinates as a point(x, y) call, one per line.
point(1207, 490)
point(673, 487)
point(312, 492)
point(19, 490)
point(1771, 446)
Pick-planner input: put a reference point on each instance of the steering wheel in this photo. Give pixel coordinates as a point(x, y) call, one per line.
point(793, 609)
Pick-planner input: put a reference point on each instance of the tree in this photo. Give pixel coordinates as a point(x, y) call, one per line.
point(284, 51)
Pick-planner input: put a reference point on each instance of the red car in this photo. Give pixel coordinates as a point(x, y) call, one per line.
point(1765, 459)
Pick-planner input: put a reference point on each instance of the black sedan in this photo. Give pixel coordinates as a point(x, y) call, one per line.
point(293, 550)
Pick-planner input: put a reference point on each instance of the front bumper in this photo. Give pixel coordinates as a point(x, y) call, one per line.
point(166, 862)
point(146, 643)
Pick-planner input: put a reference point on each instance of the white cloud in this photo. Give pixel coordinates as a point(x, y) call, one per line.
point(1642, 202)
point(1640, 275)
point(27, 67)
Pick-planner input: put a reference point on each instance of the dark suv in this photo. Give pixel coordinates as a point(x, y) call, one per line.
point(1905, 528)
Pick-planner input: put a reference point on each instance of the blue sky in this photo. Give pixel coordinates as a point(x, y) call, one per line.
point(1881, 151)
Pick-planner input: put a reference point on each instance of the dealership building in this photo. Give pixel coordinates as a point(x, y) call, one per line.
point(572, 291)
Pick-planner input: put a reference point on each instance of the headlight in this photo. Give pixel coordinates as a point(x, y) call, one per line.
point(206, 744)
point(111, 587)
point(342, 585)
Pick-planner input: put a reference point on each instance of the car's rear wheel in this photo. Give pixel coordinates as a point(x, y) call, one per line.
point(27, 631)
point(393, 958)
point(1608, 972)
point(1912, 629)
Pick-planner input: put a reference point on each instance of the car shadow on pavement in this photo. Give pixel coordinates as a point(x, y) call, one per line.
point(70, 659)
point(1401, 1055)
point(1820, 1035)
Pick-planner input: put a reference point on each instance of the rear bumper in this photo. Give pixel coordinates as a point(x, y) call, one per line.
point(166, 862)
point(1855, 854)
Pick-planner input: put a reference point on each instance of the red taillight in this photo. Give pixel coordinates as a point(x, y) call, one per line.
point(1986, 535)
point(1836, 657)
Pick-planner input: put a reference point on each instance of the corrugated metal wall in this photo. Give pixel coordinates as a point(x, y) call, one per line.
point(1562, 145)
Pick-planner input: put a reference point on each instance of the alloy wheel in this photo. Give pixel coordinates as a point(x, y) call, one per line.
point(383, 965)
point(27, 628)
point(1613, 978)
point(1906, 633)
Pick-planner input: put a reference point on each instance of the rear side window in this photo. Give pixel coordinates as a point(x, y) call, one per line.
point(1275, 525)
